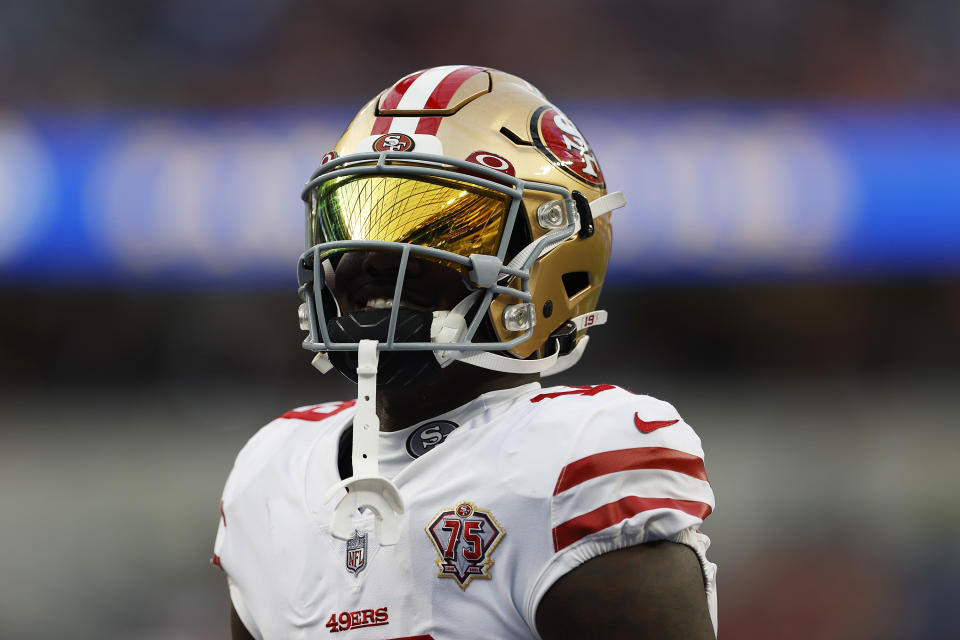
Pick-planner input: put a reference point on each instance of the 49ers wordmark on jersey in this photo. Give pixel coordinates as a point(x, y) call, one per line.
point(347, 620)
point(465, 538)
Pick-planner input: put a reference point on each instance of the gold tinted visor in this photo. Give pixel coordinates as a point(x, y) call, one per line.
point(433, 212)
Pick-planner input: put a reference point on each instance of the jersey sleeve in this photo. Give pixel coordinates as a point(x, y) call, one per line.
point(632, 473)
point(229, 541)
point(264, 467)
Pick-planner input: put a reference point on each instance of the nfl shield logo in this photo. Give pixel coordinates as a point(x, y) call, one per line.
point(357, 552)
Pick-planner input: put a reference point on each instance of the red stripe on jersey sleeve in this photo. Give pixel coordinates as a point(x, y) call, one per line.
point(574, 391)
point(440, 98)
point(610, 514)
point(392, 99)
point(315, 416)
point(600, 464)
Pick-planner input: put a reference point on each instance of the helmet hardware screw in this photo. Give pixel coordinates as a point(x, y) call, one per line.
point(519, 317)
point(550, 215)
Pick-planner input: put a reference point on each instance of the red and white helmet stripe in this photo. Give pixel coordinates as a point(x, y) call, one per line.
point(425, 90)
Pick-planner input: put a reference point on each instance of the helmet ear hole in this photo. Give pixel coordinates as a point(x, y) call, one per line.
point(575, 281)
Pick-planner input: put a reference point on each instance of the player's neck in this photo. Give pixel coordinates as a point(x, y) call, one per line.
point(451, 388)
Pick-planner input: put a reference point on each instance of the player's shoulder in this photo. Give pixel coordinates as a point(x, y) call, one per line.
point(279, 439)
point(595, 398)
point(616, 468)
point(606, 416)
point(309, 419)
point(588, 427)
point(600, 401)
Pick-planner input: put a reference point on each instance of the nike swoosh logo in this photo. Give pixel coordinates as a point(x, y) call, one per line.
point(650, 426)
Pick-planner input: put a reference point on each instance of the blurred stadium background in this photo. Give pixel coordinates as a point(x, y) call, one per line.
point(787, 273)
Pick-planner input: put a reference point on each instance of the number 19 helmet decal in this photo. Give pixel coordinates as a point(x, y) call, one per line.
point(473, 168)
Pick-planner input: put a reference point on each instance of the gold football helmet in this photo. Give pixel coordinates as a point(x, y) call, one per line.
point(472, 167)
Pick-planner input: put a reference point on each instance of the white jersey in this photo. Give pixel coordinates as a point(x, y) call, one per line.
point(502, 497)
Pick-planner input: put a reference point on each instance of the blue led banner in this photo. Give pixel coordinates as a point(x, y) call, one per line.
point(717, 192)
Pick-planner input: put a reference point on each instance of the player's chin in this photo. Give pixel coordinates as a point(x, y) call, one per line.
point(407, 371)
point(400, 370)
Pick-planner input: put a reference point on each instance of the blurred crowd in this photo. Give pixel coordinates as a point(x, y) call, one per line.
point(111, 52)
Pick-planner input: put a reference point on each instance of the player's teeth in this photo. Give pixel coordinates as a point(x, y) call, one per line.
point(380, 303)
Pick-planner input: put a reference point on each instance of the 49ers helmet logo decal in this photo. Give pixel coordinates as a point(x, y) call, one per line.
point(465, 538)
point(393, 142)
point(555, 135)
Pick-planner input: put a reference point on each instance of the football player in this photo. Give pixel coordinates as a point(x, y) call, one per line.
point(457, 240)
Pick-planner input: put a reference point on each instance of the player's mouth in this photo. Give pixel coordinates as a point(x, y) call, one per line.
point(387, 303)
point(379, 302)
point(443, 289)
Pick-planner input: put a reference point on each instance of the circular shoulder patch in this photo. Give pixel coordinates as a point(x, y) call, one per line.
point(429, 435)
point(555, 135)
point(393, 142)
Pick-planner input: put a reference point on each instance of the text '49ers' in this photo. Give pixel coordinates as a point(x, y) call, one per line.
point(347, 620)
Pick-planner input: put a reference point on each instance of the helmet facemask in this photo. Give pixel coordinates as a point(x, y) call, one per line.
point(395, 201)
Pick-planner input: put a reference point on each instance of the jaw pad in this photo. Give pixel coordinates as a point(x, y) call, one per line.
point(397, 368)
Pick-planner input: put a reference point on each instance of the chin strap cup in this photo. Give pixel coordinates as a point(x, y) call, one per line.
point(548, 366)
point(451, 326)
point(366, 487)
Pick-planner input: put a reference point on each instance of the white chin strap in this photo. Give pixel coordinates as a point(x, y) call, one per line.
point(366, 487)
point(450, 326)
point(607, 203)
